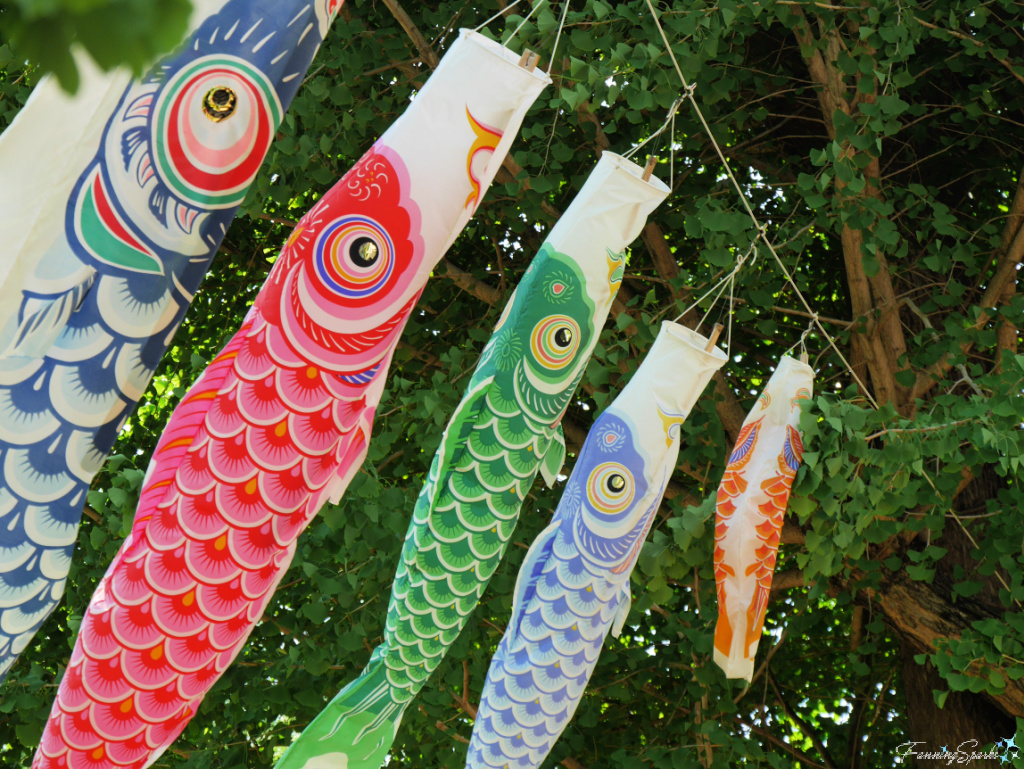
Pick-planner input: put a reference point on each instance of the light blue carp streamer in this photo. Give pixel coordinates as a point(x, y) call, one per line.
point(504, 432)
point(140, 230)
point(573, 587)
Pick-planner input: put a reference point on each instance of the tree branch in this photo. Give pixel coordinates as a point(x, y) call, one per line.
point(961, 36)
point(786, 580)
point(469, 284)
point(428, 54)
point(804, 727)
point(586, 115)
point(799, 755)
point(922, 616)
point(882, 343)
point(1010, 254)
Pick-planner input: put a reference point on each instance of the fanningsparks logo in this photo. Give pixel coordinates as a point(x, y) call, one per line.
point(1004, 751)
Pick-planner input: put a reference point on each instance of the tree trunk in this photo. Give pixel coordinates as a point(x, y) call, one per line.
point(964, 716)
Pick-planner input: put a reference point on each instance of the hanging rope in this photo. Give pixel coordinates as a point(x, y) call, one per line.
point(526, 18)
point(499, 13)
point(670, 119)
point(729, 281)
point(802, 341)
point(672, 150)
point(762, 233)
point(558, 36)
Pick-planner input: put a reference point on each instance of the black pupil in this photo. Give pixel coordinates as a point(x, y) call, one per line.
point(616, 483)
point(219, 103)
point(563, 337)
point(363, 252)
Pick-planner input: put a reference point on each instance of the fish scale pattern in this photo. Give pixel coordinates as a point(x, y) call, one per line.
point(504, 431)
point(250, 455)
point(750, 507)
point(141, 227)
point(567, 599)
point(541, 678)
point(573, 586)
point(182, 598)
point(277, 424)
point(459, 533)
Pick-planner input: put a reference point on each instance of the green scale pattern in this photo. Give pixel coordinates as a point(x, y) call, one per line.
point(502, 434)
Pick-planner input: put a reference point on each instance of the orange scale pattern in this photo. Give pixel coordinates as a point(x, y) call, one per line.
point(751, 505)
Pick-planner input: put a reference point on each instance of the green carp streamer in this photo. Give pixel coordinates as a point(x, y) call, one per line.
point(505, 430)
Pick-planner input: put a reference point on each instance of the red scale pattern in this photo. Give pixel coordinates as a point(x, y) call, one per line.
point(248, 458)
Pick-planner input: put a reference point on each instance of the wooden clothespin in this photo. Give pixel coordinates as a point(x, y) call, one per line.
point(803, 357)
point(529, 60)
point(715, 333)
point(652, 161)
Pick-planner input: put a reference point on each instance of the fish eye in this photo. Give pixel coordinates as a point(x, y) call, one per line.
point(610, 488)
point(363, 252)
point(555, 341)
point(219, 103)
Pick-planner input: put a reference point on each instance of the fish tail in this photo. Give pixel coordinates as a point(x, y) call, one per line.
point(357, 728)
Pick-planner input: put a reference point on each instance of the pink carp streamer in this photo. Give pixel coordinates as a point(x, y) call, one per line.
point(279, 422)
point(751, 504)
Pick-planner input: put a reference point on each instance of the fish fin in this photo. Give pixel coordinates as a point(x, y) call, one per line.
point(43, 319)
point(158, 200)
point(456, 434)
point(352, 460)
point(554, 458)
point(734, 664)
point(530, 572)
point(131, 141)
point(625, 604)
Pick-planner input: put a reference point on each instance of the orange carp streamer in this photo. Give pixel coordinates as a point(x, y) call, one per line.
point(750, 506)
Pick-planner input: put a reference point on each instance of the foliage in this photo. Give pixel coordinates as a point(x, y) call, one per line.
point(113, 32)
point(880, 143)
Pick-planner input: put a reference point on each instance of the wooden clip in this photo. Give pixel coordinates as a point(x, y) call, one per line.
point(529, 60)
point(803, 357)
point(715, 333)
point(652, 161)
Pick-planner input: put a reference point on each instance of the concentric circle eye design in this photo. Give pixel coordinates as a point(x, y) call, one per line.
point(214, 121)
point(610, 488)
point(555, 341)
point(354, 257)
point(219, 103)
